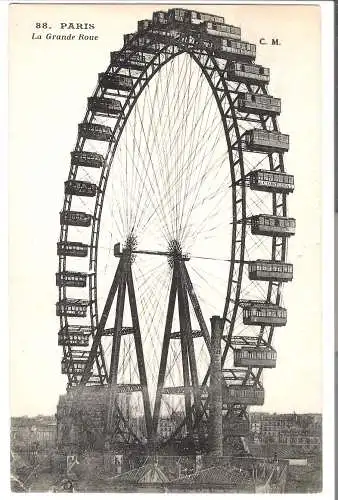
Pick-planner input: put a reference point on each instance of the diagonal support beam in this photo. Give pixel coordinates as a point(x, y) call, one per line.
point(196, 307)
point(101, 326)
point(114, 361)
point(164, 354)
point(185, 326)
point(139, 353)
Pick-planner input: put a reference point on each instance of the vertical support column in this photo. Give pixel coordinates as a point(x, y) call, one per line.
point(184, 349)
point(215, 408)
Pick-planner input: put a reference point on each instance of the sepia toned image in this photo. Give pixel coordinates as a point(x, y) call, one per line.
point(165, 246)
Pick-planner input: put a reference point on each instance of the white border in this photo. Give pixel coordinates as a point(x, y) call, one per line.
point(328, 246)
point(4, 299)
point(327, 12)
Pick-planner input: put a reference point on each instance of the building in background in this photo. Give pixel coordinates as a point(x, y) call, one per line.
point(293, 429)
point(38, 432)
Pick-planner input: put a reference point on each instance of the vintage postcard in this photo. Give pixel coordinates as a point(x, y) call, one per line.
point(165, 247)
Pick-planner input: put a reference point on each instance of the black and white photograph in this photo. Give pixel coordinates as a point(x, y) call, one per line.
point(165, 248)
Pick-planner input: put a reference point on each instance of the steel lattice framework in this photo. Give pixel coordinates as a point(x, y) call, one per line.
point(144, 55)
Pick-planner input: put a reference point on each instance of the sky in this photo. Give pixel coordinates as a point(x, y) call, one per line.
point(49, 84)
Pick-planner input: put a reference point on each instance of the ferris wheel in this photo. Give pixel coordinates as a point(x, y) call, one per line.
point(175, 211)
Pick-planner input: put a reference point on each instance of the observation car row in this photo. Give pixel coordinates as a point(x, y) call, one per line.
point(104, 106)
point(259, 180)
point(261, 224)
point(185, 16)
point(267, 270)
point(264, 315)
point(259, 104)
point(267, 180)
point(80, 188)
point(239, 394)
point(74, 218)
point(232, 394)
point(87, 159)
point(128, 60)
point(247, 102)
point(78, 335)
point(116, 82)
point(220, 30)
point(234, 49)
point(148, 43)
point(273, 225)
point(241, 72)
point(254, 140)
point(73, 365)
point(74, 339)
point(95, 132)
point(224, 39)
point(72, 249)
point(265, 141)
point(248, 73)
point(236, 71)
point(190, 21)
point(223, 48)
point(203, 24)
point(255, 357)
point(74, 335)
point(71, 278)
point(253, 314)
point(72, 307)
point(259, 270)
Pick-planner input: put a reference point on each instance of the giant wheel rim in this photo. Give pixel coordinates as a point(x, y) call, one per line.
point(214, 71)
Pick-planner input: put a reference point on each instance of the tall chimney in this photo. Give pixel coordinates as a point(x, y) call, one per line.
point(215, 408)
